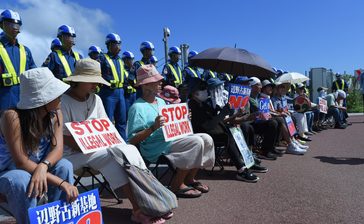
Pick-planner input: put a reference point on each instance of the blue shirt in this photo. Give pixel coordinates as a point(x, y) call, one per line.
point(280, 103)
point(169, 77)
point(6, 160)
point(137, 64)
point(53, 62)
point(14, 55)
point(207, 75)
point(106, 68)
point(141, 116)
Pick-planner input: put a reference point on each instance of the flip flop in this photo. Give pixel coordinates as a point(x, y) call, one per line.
point(199, 186)
point(182, 193)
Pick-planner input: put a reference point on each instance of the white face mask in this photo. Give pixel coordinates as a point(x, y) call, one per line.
point(202, 95)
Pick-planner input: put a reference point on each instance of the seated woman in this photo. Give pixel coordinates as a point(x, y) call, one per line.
point(31, 146)
point(81, 103)
point(293, 147)
point(212, 121)
point(187, 154)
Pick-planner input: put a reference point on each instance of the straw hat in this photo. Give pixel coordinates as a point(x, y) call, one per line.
point(87, 70)
point(39, 87)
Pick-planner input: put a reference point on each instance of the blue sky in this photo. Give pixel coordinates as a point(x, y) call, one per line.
point(290, 34)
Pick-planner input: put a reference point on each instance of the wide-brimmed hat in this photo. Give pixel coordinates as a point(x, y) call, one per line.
point(39, 87)
point(254, 81)
point(170, 94)
point(322, 88)
point(196, 84)
point(147, 74)
point(87, 70)
point(213, 82)
point(300, 86)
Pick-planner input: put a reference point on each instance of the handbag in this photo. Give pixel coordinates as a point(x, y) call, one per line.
point(152, 197)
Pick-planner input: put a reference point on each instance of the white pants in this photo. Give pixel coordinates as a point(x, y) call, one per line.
point(301, 122)
point(104, 162)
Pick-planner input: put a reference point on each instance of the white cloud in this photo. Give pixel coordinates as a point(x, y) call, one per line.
point(41, 20)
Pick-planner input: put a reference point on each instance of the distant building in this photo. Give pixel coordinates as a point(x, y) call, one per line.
point(320, 77)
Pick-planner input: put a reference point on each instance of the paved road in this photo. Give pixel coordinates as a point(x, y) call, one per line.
point(324, 186)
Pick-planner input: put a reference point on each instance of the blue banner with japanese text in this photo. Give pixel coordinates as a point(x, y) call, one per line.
point(238, 96)
point(86, 209)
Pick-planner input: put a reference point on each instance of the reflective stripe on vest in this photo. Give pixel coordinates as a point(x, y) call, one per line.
point(64, 62)
point(177, 77)
point(342, 84)
point(193, 71)
point(9, 65)
point(118, 83)
point(141, 62)
point(212, 74)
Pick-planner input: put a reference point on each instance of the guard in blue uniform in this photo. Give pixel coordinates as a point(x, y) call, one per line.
point(226, 78)
point(154, 60)
point(15, 58)
point(147, 50)
point(208, 74)
point(55, 45)
point(172, 72)
point(62, 62)
point(129, 85)
point(94, 52)
point(112, 69)
point(189, 73)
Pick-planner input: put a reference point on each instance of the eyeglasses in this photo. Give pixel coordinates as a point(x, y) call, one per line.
point(12, 25)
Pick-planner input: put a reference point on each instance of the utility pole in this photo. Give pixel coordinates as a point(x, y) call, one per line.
point(166, 34)
point(184, 56)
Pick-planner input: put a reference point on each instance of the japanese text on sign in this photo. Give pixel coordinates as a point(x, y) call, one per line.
point(238, 96)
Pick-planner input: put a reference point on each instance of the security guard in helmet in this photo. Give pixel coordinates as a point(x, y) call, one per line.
point(172, 72)
point(147, 50)
point(112, 69)
point(129, 85)
point(62, 62)
point(208, 74)
point(190, 72)
point(227, 78)
point(15, 58)
point(94, 52)
point(339, 84)
point(154, 60)
point(55, 45)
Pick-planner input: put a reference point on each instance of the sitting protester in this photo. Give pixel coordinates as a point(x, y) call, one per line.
point(293, 147)
point(266, 128)
point(31, 146)
point(299, 112)
point(81, 103)
point(335, 108)
point(319, 117)
point(170, 95)
point(187, 154)
point(214, 122)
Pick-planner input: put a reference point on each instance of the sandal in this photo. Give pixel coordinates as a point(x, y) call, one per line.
point(182, 193)
point(139, 217)
point(199, 186)
point(168, 215)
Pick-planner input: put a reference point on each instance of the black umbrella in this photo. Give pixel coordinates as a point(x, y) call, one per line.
point(233, 61)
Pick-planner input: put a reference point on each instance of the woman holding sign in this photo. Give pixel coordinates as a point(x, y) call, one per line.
point(187, 154)
point(31, 146)
point(81, 103)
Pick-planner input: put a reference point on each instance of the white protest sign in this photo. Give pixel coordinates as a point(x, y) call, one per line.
point(96, 134)
point(177, 124)
point(243, 148)
point(323, 105)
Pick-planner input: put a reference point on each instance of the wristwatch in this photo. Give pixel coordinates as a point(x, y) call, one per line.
point(46, 162)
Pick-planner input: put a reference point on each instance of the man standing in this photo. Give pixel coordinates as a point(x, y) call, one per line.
point(147, 50)
point(112, 69)
point(129, 84)
point(62, 62)
point(15, 58)
point(189, 73)
point(339, 84)
point(172, 72)
point(94, 52)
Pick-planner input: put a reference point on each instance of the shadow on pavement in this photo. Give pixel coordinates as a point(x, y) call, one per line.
point(116, 215)
point(340, 160)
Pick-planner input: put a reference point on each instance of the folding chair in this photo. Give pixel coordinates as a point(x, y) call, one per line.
point(221, 156)
point(89, 172)
point(3, 205)
point(155, 168)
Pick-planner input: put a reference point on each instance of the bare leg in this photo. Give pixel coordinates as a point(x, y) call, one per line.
point(178, 182)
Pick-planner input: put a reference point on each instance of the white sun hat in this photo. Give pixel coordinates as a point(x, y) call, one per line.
point(39, 87)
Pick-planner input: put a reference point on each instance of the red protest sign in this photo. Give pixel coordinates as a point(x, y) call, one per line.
point(177, 124)
point(94, 135)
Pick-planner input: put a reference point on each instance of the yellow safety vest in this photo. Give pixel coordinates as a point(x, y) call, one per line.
point(116, 83)
point(177, 77)
point(64, 62)
point(193, 71)
point(212, 74)
point(130, 89)
point(11, 77)
point(141, 62)
point(342, 84)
